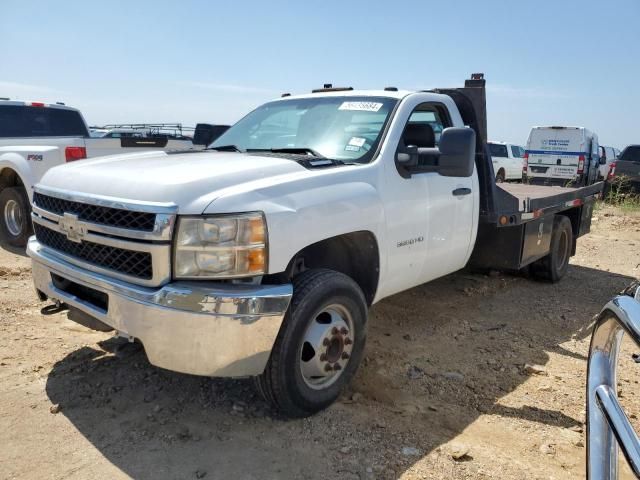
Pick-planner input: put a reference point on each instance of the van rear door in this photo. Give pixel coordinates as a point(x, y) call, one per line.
point(554, 152)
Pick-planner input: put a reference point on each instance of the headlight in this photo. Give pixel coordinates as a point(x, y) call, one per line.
point(226, 246)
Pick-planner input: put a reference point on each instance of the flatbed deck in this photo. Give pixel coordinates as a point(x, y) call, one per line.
point(517, 221)
point(518, 230)
point(535, 197)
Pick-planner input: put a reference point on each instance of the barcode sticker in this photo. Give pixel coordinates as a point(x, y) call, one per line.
point(361, 106)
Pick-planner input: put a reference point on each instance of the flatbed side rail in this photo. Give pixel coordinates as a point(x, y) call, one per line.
point(532, 204)
point(608, 427)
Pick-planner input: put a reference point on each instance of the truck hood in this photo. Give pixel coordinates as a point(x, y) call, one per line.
point(190, 180)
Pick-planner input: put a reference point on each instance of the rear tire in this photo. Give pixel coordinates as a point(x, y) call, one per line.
point(324, 327)
point(500, 177)
point(15, 220)
point(554, 266)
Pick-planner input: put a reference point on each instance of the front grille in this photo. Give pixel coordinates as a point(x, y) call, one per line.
point(113, 217)
point(127, 262)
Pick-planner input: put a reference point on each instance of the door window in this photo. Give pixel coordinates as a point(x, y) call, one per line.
point(423, 130)
point(518, 152)
point(430, 115)
point(498, 150)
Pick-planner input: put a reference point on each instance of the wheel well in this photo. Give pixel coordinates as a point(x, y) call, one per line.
point(354, 254)
point(9, 178)
point(501, 169)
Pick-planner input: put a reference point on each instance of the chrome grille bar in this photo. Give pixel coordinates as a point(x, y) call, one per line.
point(122, 243)
point(165, 214)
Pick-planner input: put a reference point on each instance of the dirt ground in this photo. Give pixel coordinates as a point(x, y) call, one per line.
point(443, 377)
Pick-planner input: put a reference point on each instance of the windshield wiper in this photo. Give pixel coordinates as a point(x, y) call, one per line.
point(293, 150)
point(225, 148)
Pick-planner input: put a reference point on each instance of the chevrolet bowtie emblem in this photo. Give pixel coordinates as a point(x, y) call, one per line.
point(74, 230)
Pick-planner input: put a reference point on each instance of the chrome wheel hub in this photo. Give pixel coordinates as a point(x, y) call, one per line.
point(13, 217)
point(326, 347)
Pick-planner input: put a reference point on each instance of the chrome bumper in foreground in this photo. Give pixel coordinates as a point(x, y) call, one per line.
point(201, 328)
point(608, 427)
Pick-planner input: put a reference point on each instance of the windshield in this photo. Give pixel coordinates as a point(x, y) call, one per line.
point(340, 128)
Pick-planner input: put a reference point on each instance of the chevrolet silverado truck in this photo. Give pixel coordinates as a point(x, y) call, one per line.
point(35, 136)
point(261, 255)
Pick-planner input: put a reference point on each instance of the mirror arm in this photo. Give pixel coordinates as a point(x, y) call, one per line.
point(407, 157)
point(429, 151)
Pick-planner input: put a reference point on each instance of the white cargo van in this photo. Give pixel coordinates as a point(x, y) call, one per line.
point(565, 156)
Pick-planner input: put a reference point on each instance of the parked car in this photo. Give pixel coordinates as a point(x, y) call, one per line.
point(507, 160)
point(565, 156)
point(262, 255)
point(628, 165)
point(608, 427)
point(35, 137)
point(608, 156)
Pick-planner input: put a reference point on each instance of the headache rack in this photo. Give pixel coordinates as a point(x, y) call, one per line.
point(516, 220)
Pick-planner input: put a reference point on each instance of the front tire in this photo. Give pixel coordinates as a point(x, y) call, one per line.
point(500, 177)
point(15, 221)
point(555, 265)
point(319, 346)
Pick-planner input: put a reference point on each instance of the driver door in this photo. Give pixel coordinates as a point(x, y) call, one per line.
point(431, 217)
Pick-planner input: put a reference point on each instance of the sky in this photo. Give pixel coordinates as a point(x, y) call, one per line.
point(562, 62)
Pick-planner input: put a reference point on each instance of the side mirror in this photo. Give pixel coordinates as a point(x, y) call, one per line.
point(457, 152)
point(603, 160)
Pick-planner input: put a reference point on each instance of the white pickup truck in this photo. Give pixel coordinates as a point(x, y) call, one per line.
point(261, 255)
point(507, 160)
point(35, 137)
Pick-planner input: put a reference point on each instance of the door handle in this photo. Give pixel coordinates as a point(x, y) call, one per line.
point(461, 191)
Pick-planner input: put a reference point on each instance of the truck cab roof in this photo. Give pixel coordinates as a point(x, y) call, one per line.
point(18, 103)
point(397, 94)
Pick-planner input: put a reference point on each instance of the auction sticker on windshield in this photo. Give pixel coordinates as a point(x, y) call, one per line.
point(357, 141)
point(361, 106)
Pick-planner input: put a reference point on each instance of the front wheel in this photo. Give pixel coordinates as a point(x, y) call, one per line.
point(319, 345)
point(15, 223)
point(500, 177)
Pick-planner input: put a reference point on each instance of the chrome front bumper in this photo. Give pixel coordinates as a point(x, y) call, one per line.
point(608, 427)
point(201, 328)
